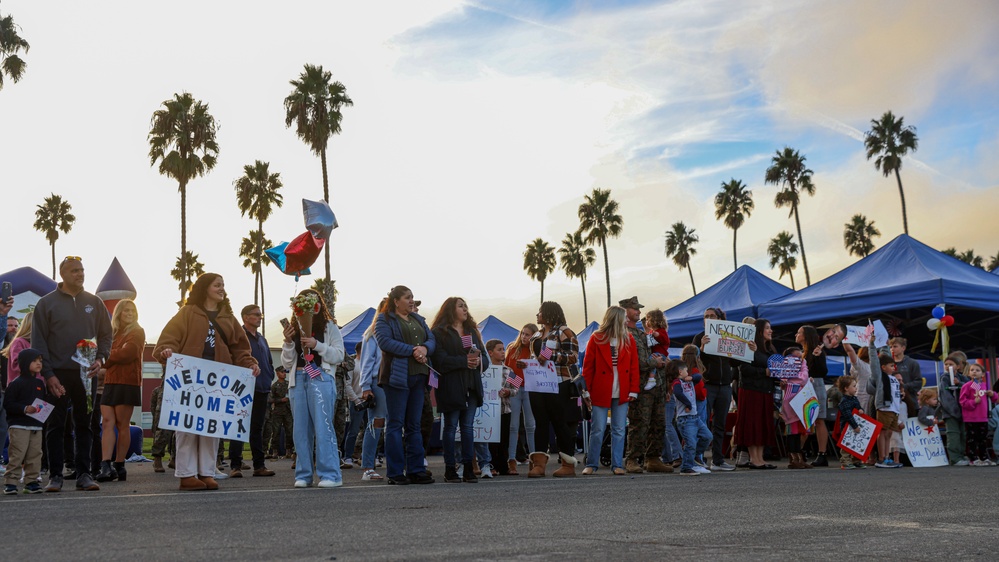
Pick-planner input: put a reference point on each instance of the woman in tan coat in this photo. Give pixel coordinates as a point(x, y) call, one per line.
point(204, 327)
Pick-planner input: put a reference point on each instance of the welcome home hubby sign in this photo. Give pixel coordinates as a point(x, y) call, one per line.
point(207, 398)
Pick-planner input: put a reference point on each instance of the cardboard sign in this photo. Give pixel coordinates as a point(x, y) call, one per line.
point(860, 443)
point(207, 398)
point(806, 405)
point(855, 335)
point(486, 426)
point(729, 339)
point(923, 445)
point(540, 379)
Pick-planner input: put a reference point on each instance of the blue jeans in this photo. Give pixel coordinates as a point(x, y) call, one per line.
point(696, 438)
point(357, 420)
point(404, 453)
point(672, 449)
point(372, 434)
point(521, 402)
point(452, 419)
point(482, 454)
point(312, 401)
point(619, 419)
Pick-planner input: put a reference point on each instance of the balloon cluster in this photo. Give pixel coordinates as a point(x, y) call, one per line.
point(296, 257)
point(939, 322)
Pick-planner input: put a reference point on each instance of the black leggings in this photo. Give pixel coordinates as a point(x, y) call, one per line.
point(978, 440)
point(554, 409)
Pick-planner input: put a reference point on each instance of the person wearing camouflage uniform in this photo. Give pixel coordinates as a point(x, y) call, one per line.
point(162, 438)
point(281, 413)
point(647, 415)
point(340, 409)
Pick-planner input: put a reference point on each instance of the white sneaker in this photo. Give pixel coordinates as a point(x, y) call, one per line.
point(962, 462)
point(221, 476)
point(701, 470)
point(347, 463)
point(371, 475)
point(487, 470)
point(329, 484)
point(724, 466)
point(302, 484)
point(379, 461)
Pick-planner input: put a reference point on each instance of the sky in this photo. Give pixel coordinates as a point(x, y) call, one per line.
point(479, 126)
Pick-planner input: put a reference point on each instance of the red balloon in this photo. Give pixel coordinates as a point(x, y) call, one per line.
point(302, 252)
point(947, 320)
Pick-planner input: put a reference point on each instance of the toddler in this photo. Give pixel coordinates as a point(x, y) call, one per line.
point(656, 329)
point(974, 399)
point(695, 433)
point(25, 451)
point(928, 403)
point(848, 386)
point(793, 427)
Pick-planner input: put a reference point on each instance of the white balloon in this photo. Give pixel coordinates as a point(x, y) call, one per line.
point(933, 323)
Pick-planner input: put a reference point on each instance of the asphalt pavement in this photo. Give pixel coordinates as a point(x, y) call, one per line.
point(824, 513)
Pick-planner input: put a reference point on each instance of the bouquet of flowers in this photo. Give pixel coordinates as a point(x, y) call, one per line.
point(304, 307)
point(85, 355)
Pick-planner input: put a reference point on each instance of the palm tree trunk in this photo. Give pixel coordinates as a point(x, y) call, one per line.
point(801, 244)
point(901, 195)
point(735, 260)
point(542, 291)
point(53, 260)
point(791, 275)
point(691, 272)
point(183, 242)
point(603, 242)
point(586, 315)
point(326, 197)
point(258, 277)
point(262, 302)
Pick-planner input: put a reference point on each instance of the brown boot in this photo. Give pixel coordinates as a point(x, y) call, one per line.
point(190, 484)
point(511, 468)
point(538, 462)
point(632, 467)
point(796, 461)
point(158, 464)
point(475, 468)
point(568, 468)
point(210, 483)
point(655, 464)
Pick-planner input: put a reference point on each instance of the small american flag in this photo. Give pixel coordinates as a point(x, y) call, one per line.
point(976, 386)
point(515, 382)
point(434, 380)
point(466, 342)
point(313, 370)
point(546, 353)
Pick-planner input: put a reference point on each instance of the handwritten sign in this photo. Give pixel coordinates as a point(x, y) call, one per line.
point(207, 398)
point(729, 339)
point(540, 379)
point(856, 335)
point(923, 445)
point(806, 405)
point(44, 409)
point(486, 426)
point(860, 443)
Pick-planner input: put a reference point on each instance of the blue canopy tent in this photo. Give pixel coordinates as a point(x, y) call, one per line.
point(353, 331)
point(738, 295)
point(902, 281)
point(493, 328)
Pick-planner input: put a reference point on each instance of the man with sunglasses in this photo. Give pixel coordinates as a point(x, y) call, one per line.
point(62, 318)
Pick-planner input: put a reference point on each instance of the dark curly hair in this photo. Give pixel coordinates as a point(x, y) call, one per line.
point(552, 315)
point(199, 292)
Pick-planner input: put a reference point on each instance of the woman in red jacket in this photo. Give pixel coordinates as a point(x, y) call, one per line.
point(610, 369)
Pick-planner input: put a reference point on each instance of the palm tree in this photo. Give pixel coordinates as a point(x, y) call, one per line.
point(598, 219)
point(969, 257)
point(576, 256)
point(52, 217)
point(253, 251)
point(734, 203)
point(10, 44)
point(788, 170)
point(182, 138)
point(329, 292)
point(257, 195)
point(858, 236)
point(782, 250)
point(680, 243)
point(314, 107)
point(186, 269)
point(889, 139)
point(994, 262)
point(539, 261)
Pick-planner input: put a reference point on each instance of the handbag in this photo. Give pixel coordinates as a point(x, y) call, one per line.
point(385, 369)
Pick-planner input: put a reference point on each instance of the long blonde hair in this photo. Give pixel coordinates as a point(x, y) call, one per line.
point(370, 332)
point(513, 349)
point(119, 308)
point(614, 326)
point(23, 331)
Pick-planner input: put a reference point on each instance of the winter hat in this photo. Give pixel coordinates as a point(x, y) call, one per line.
point(26, 357)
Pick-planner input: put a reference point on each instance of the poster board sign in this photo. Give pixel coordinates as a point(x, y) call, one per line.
point(539, 378)
point(923, 445)
point(806, 405)
point(44, 409)
point(729, 339)
point(856, 335)
point(207, 398)
point(486, 427)
point(860, 443)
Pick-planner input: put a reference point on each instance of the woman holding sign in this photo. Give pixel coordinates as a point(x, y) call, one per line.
point(459, 360)
point(204, 327)
point(555, 344)
point(610, 369)
point(754, 426)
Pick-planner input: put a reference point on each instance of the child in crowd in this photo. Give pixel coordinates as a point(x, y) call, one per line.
point(928, 403)
point(25, 448)
point(691, 357)
point(848, 386)
point(885, 385)
point(793, 428)
point(656, 328)
point(512, 382)
point(975, 398)
point(695, 433)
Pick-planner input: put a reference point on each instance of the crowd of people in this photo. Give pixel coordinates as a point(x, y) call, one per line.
point(330, 411)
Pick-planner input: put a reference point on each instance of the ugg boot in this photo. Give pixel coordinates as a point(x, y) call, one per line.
point(538, 462)
point(158, 464)
point(511, 468)
point(655, 464)
point(190, 484)
point(105, 475)
point(119, 467)
point(796, 461)
point(568, 468)
point(210, 482)
point(468, 475)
